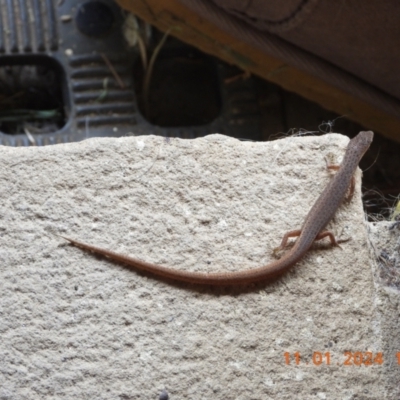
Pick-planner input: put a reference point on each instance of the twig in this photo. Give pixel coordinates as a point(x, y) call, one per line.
point(113, 71)
point(148, 73)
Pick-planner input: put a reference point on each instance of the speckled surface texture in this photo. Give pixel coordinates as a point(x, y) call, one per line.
point(73, 325)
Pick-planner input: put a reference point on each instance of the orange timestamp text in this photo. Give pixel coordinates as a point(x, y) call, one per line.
point(350, 358)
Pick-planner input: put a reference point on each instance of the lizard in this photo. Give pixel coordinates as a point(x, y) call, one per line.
point(312, 229)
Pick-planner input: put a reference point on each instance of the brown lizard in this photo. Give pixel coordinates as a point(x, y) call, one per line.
point(312, 229)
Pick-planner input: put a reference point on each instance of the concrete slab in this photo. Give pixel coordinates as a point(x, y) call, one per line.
point(78, 326)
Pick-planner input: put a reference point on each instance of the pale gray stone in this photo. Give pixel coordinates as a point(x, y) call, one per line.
point(76, 326)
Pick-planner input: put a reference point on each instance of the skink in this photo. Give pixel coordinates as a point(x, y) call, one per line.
point(312, 229)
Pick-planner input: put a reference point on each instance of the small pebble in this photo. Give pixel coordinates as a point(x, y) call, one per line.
point(163, 395)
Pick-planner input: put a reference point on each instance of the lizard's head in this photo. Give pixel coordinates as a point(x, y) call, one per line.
point(363, 139)
point(360, 143)
point(357, 147)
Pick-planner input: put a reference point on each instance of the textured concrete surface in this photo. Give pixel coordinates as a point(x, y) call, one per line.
point(73, 325)
point(385, 248)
